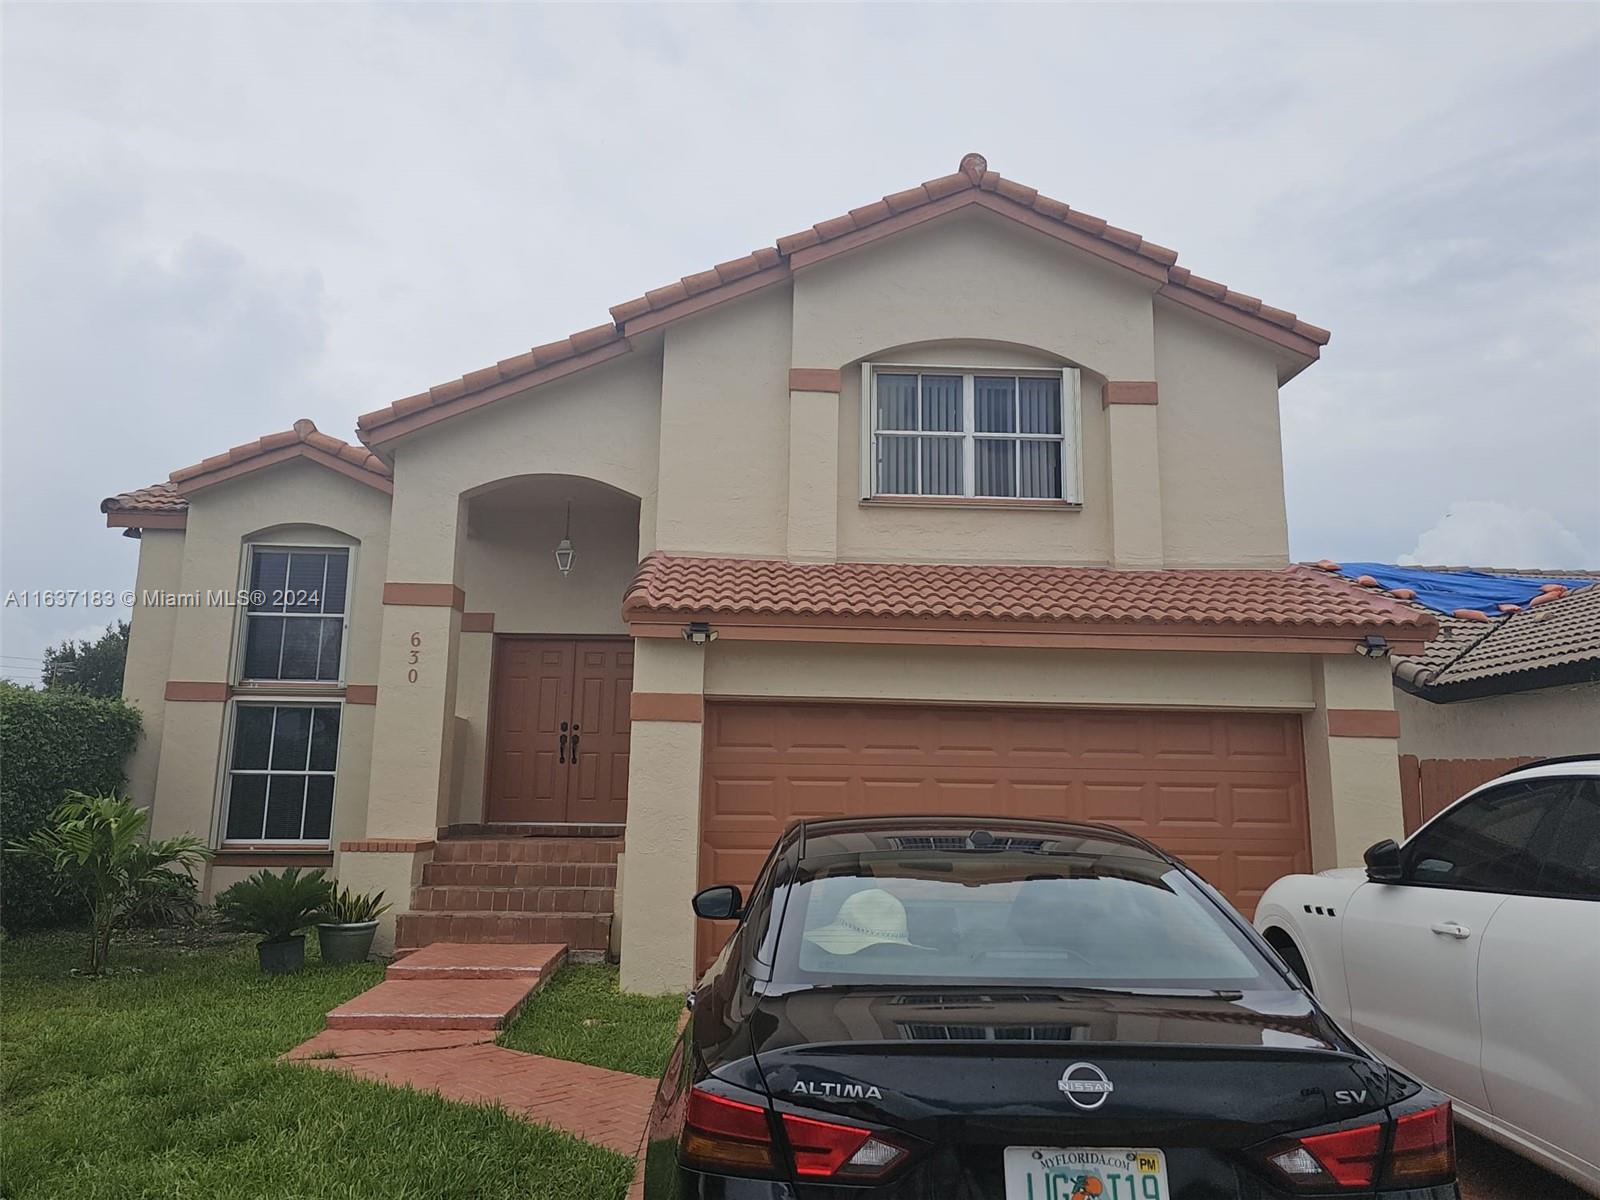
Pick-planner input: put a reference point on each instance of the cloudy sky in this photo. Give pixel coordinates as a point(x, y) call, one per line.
point(218, 219)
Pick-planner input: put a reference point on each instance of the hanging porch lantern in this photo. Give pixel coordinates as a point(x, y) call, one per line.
point(564, 551)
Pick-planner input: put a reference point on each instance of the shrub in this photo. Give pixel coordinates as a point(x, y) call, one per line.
point(173, 898)
point(97, 846)
point(275, 906)
point(345, 907)
point(52, 744)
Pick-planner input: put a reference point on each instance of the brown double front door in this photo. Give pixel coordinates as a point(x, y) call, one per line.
point(558, 730)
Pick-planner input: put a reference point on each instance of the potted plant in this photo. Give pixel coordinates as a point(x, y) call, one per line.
point(346, 924)
point(279, 908)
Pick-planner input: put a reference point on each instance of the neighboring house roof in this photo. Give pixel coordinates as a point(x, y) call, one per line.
point(973, 185)
point(165, 505)
point(1551, 641)
point(1291, 608)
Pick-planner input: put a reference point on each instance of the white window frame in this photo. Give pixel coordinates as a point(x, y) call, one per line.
point(242, 630)
point(225, 799)
point(1070, 437)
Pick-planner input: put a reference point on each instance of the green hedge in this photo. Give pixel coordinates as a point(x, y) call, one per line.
point(52, 743)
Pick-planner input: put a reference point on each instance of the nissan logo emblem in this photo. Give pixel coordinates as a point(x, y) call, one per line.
point(1085, 1085)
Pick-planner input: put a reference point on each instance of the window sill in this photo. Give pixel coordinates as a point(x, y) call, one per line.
point(286, 687)
point(281, 854)
point(981, 502)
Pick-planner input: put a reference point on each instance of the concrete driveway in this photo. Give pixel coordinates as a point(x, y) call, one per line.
point(1490, 1172)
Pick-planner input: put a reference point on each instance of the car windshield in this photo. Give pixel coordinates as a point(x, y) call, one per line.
point(1004, 917)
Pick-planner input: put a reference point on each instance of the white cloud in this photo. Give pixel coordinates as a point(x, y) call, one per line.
point(1488, 533)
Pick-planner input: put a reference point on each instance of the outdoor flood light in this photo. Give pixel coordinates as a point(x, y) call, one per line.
point(1373, 646)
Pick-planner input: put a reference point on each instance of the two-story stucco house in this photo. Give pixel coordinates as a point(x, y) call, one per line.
point(964, 501)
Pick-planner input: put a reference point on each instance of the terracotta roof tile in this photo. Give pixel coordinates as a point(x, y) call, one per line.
point(157, 498)
point(1559, 631)
point(357, 461)
point(1292, 599)
point(972, 176)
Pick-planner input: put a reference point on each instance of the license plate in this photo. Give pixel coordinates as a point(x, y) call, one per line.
point(1098, 1173)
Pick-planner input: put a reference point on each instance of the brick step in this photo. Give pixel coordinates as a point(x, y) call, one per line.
point(578, 930)
point(444, 960)
point(527, 850)
point(533, 829)
point(435, 1004)
point(514, 899)
point(519, 874)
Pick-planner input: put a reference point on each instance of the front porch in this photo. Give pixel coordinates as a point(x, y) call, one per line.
point(500, 748)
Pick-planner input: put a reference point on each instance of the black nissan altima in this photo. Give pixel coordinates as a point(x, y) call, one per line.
point(948, 1009)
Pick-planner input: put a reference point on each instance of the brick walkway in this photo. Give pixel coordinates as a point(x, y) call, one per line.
point(605, 1107)
point(431, 1025)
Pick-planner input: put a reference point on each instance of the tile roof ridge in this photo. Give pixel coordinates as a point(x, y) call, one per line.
point(972, 179)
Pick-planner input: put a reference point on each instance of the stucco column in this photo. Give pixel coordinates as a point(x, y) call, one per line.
point(813, 465)
point(1134, 474)
point(414, 728)
point(1352, 759)
point(661, 868)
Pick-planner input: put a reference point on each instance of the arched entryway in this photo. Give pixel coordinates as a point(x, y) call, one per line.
point(547, 666)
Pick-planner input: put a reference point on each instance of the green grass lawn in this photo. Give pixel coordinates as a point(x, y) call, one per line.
point(160, 1081)
point(580, 1015)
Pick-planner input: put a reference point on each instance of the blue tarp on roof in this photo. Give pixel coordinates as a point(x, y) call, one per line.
point(1446, 591)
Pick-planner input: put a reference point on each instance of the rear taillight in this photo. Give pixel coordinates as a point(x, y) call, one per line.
point(1424, 1149)
point(1347, 1158)
point(736, 1138)
point(829, 1150)
point(720, 1134)
point(1416, 1150)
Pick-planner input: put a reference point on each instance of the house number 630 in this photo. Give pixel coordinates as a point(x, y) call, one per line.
point(414, 655)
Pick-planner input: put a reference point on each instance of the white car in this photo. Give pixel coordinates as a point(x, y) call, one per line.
point(1470, 957)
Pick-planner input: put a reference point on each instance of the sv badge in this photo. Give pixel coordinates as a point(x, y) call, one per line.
point(1348, 1097)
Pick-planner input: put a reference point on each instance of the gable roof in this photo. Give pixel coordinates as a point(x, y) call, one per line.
point(1186, 609)
point(166, 505)
point(972, 185)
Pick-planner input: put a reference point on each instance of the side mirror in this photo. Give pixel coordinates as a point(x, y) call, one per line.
point(719, 903)
point(1383, 862)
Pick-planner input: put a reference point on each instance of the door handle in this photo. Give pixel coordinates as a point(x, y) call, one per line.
point(561, 750)
point(1450, 929)
point(574, 742)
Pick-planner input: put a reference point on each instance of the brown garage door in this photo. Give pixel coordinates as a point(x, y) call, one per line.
point(1225, 792)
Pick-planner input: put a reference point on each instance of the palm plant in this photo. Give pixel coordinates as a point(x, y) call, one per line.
point(100, 847)
point(345, 907)
point(276, 906)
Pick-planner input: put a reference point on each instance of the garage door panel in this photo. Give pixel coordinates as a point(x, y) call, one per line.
point(1223, 791)
point(1270, 806)
point(1201, 806)
point(1113, 803)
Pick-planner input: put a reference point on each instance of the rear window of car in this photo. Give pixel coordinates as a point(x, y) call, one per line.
point(1011, 918)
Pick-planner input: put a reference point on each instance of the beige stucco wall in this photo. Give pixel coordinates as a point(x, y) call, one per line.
point(145, 674)
point(1102, 678)
point(1221, 451)
point(295, 503)
point(725, 429)
point(1544, 723)
point(1352, 783)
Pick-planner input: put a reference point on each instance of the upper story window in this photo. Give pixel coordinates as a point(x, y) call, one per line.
point(295, 623)
point(984, 435)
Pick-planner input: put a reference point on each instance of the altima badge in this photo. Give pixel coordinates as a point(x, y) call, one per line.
point(1085, 1085)
point(836, 1091)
